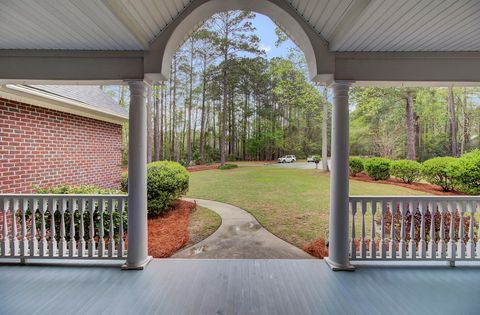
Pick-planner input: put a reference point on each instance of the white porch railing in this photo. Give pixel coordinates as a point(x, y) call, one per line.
point(420, 228)
point(63, 226)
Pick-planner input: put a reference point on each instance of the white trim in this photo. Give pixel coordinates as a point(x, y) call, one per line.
point(37, 98)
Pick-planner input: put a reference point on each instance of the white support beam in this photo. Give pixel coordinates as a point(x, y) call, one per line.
point(34, 66)
point(355, 11)
point(122, 15)
point(430, 67)
point(338, 257)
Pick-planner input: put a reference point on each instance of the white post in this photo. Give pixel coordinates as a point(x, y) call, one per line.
point(137, 257)
point(338, 258)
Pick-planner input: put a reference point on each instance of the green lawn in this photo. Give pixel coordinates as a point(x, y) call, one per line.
point(291, 203)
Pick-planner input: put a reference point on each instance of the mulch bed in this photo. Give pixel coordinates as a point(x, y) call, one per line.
point(203, 167)
point(428, 188)
point(168, 233)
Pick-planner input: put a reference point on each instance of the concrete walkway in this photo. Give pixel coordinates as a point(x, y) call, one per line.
point(239, 236)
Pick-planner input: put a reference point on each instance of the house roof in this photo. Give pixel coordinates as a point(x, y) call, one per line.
point(82, 100)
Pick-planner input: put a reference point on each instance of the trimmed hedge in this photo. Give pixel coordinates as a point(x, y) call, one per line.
point(466, 171)
point(355, 165)
point(166, 182)
point(227, 166)
point(440, 171)
point(377, 168)
point(407, 170)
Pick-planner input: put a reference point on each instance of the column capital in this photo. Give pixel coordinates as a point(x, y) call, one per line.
point(137, 87)
point(341, 83)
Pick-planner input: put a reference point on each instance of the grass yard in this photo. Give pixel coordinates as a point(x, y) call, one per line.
point(291, 203)
point(203, 222)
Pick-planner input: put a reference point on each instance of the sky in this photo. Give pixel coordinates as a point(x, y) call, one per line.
point(266, 32)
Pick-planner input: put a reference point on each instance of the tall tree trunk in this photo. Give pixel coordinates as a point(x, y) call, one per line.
point(174, 114)
point(156, 123)
point(202, 119)
point(224, 110)
point(149, 125)
point(325, 131)
point(411, 155)
point(163, 120)
point(453, 122)
point(465, 135)
point(190, 100)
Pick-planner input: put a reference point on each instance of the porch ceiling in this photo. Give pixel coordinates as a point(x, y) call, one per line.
point(348, 25)
point(124, 34)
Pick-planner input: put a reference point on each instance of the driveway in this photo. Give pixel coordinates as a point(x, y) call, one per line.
point(239, 236)
point(300, 165)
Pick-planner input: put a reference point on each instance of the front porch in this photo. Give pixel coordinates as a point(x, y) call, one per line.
point(176, 286)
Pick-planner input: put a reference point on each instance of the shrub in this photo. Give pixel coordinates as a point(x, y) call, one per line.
point(355, 165)
point(407, 170)
point(440, 171)
point(378, 168)
point(466, 172)
point(124, 182)
point(166, 182)
point(227, 166)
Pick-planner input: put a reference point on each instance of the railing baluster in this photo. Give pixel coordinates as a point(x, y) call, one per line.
point(5, 243)
point(363, 247)
point(43, 245)
point(373, 245)
point(91, 240)
point(471, 230)
point(14, 207)
point(392, 246)
point(442, 251)
point(24, 241)
point(121, 243)
point(52, 244)
point(422, 245)
point(403, 244)
point(72, 246)
point(383, 244)
point(62, 250)
point(412, 249)
point(33, 229)
point(432, 245)
point(451, 249)
point(101, 233)
point(81, 230)
point(461, 232)
point(111, 232)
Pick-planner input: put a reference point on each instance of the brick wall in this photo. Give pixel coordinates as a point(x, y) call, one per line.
point(45, 147)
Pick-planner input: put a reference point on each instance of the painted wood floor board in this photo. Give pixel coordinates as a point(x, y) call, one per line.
point(189, 286)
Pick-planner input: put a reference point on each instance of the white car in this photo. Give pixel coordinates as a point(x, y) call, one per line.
point(287, 159)
point(311, 158)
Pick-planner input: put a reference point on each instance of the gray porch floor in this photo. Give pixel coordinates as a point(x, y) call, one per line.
point(176, 286)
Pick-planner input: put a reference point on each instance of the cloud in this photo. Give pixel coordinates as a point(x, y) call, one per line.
point(265, 48)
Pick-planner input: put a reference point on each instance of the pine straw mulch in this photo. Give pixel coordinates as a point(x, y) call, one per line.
point(168, 233)
point(202, 167)
point(428, 188)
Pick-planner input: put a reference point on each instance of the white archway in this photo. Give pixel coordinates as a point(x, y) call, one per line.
point(310, 42)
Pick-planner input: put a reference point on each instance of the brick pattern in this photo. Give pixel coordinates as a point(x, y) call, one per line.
point(47, 148)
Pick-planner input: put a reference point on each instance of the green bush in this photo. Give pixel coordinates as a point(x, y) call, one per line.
point(355, 165)
point(466, 172)
point(81, 190)
point(377, 168)
point(227, 166)
point(441, 171)
point(407, 170)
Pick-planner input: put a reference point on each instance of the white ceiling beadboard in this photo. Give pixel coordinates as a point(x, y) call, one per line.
point(398, 25)
point(380, 25)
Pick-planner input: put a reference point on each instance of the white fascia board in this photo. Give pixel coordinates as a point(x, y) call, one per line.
point(45, 100)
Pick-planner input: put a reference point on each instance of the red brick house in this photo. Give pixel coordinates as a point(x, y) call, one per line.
point(53, 135)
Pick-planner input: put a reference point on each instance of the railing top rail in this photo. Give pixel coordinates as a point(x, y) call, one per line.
point(61, 196)
point(433, 198)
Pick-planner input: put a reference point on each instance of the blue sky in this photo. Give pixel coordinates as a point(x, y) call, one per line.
point(266, 32)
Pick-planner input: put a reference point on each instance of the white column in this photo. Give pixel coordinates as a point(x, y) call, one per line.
point(338, 257)
point(137, 257)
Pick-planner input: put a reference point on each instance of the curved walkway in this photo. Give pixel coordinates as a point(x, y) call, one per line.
point(239, 236)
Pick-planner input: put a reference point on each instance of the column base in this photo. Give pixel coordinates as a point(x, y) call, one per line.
point(140, 266)
point(335, 267)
